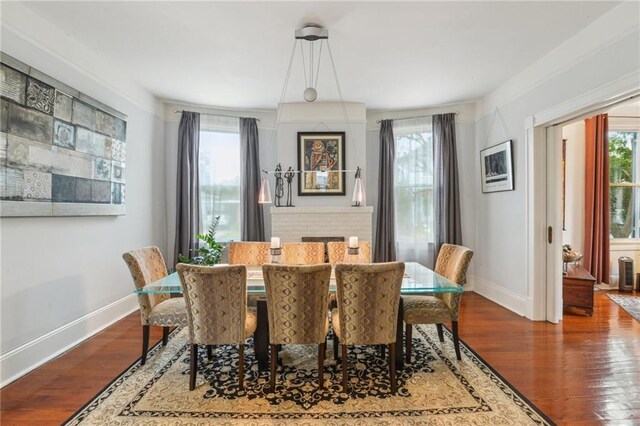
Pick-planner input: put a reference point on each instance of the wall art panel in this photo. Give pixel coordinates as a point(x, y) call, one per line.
point(60, 154)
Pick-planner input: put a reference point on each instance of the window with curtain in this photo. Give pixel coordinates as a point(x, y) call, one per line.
point(219, 161)
point(413, 174)
point(624, 187)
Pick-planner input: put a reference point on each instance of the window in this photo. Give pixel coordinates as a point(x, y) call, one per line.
point(413, 177)
point(219, 162)
point(624, 187)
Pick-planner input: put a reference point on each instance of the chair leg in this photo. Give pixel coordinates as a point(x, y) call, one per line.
point(194, 367)
point(209, 352)
point(321, 352)
point(440, 333)
point(241, 366)
point(456, 340)
point(392, 367)
point(335, 347)
point(145, 344)
point(165, 335)
point(408, 332)
point(272, 378)
point(345, 378)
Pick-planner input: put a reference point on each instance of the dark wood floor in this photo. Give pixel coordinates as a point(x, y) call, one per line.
point(584, 371)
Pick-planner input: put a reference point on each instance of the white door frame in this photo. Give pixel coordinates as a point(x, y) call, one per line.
point(589, 103)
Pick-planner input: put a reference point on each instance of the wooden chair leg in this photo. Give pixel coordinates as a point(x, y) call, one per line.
point(408, 332)
point(392, 367)
point(165, 336)
point(335, 347)
point(209, 352)
point(345, 378)
point(440, 332)
point(241, 366)
point(145, 344)
point(321, 353)
point(456, 340)
point(272, 378)
point(194, 367)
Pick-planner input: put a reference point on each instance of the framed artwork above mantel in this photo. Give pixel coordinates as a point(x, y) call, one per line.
point(321, 162)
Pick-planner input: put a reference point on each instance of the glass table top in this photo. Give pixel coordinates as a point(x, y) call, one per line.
point(417, 279)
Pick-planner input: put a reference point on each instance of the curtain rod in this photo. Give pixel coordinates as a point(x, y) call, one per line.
point(418, 116)
point(213, 115)
point(624, 116)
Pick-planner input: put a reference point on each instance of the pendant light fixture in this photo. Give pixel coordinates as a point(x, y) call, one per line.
point(310, 34)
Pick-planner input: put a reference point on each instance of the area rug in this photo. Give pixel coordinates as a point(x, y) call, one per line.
point(631, 304)
point(435, 389)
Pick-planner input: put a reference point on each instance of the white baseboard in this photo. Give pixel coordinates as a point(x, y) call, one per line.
point(519, 304)
point(19, 361)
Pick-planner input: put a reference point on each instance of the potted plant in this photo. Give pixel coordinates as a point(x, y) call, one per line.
point(211, 251)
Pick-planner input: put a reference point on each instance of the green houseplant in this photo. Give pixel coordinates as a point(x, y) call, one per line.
point(211, 251)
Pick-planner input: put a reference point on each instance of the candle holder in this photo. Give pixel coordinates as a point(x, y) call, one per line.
point(353, 255)
point(276, 254)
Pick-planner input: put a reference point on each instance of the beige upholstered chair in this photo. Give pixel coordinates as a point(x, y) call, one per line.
point(146, 266)
point(249, 253)
point(302, 253)
point(452, 263)
point(217, 312)
point(337, 249)
point(297, 309)
point(367, 314)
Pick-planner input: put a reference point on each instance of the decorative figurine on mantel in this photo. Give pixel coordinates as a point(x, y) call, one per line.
point(279, 184)
point(289, 175)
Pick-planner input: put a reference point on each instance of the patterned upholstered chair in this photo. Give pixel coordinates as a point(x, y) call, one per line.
point(296, 306)
point(452, 263)
point(337, 250)
point(367, 314)
point(302, 253)
point(146, 266)
point(216, 299)
point(249, 253)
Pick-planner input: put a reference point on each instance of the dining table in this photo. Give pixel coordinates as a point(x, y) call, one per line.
point(417, 280)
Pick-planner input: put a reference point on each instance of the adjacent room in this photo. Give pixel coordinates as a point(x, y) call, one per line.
point(319, 212)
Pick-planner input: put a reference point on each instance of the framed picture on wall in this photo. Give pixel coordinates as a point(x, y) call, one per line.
point(496, 166)
point(320, 159)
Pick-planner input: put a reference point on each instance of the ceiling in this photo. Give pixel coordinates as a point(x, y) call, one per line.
point(388, 55)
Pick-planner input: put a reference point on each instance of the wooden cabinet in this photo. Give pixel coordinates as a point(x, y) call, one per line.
point(577, 288)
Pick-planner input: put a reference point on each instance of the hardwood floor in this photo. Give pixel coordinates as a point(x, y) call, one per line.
point(584, 371)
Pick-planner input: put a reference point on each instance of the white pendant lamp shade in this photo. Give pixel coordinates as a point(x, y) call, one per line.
point(359, 195)
point(265, 192)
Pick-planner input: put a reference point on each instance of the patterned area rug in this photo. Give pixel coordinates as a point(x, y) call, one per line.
point(631, 304)
point(435, 389)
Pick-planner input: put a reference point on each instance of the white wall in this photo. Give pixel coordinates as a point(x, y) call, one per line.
point(63, 278)
point(604, 53)
point(574, 184)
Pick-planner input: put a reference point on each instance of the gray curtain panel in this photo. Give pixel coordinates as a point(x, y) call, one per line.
point(188, 186)
point(447, 192)
point(385, 246)
point(252, 228)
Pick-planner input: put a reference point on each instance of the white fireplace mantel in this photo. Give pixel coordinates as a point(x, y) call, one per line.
point(293, 223)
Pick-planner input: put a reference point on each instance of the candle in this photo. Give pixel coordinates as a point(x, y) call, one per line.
point(275, 242)
point(353, 242)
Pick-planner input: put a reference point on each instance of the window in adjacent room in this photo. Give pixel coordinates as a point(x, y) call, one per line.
point(624, 187)
point(413, 177)
point(219, 162)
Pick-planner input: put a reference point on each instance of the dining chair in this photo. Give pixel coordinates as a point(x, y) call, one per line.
point(452, 263)
point(337, 250)
point(297, 309)
point(146, 265)
point(250, 253)
point(216, 299)
point(302, 253)
point(368, 297)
